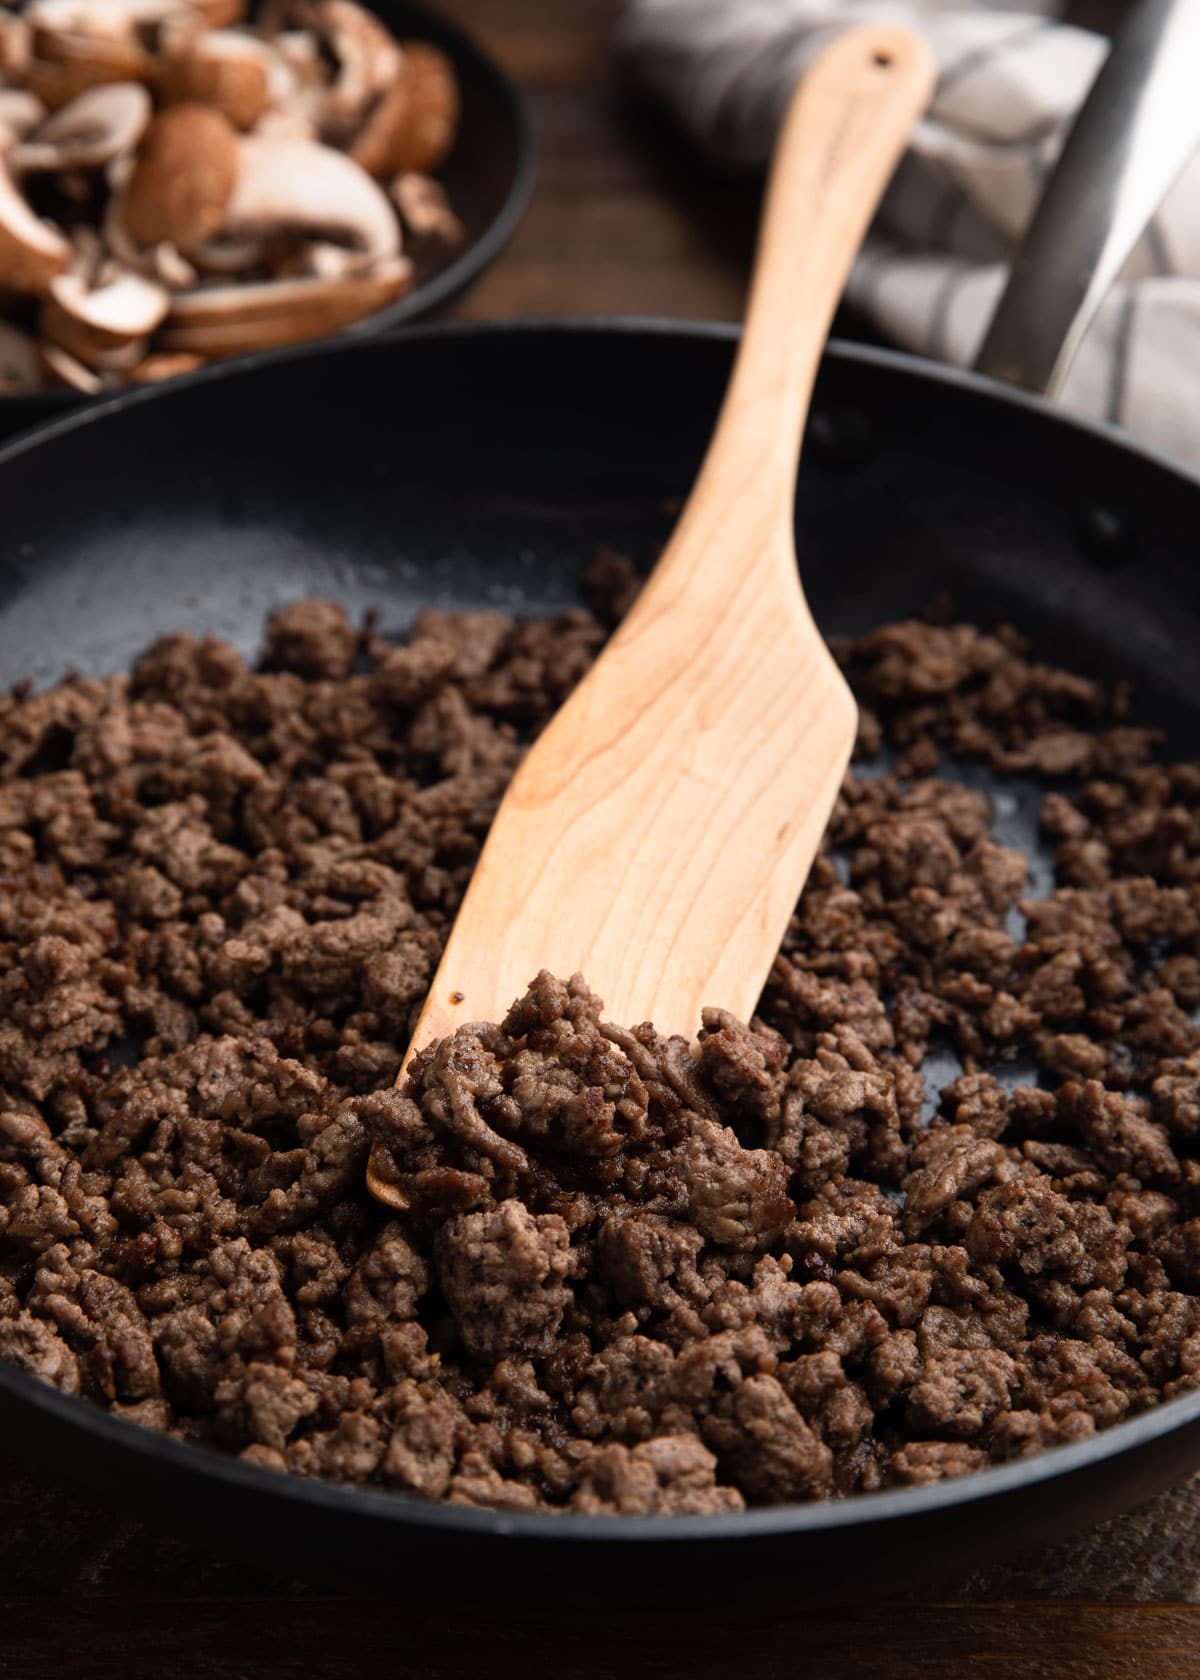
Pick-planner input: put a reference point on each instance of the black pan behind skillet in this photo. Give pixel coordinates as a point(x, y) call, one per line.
point(514, 451)
point(488, 177)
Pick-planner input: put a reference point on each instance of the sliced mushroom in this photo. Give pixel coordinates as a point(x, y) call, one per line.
point(324, 261)
point(32, 252)
point(234, 219)
point(367, 56)
point(102, 124)
point(174, 270)
point(224, 257)
point(164, 365)
point(118, 20)
point(98, 324)
point(57, 84)
point(84, 350)
point(219, 14)
point(231, 320)
point(184, 181)
point(69, 371)
point(20, 363)
point(300, 52)
point(20, 113)
point(296, 119)
point(16, 45)
point(100, 41)
point(226, 68)
point(413, 126)
point(425, 210)
point(89, 254)
point(301, 186)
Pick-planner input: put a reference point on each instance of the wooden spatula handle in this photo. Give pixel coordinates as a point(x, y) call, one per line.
point(847, 127)
point(660, 829)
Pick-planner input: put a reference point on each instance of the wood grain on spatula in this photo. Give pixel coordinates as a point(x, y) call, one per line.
point(657, 835)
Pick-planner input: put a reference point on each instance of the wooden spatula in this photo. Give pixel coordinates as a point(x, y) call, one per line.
point(658, 834)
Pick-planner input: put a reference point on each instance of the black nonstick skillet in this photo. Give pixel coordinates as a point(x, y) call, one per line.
point(514, 451)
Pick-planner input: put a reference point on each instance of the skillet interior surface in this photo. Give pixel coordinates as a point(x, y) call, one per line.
point(516, 451)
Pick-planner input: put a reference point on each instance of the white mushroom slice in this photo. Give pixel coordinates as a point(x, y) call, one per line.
point(299, 51)
point(295, 120)
point(124, 20)
point(20, 113)
point(236, 72)
point(219, 14)
point(102, 124)
point(228, 256)
point(326, 262)
point(32, 251)
point(425, 210)
point(57, 83)
point(89, 254)
point(299, 186)
point(114, 19)
point(368, 58)
point(172, 268)
point(112, 316)
point(412, 127)
point(163, 262)
point(16, 46)
point(232, 320)
point(92, 60)
point(20, 363)
point(164, 366)
point(69, 371)
point(60, 332)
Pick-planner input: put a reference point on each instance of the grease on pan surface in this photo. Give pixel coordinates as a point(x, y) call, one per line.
point(797, 1264)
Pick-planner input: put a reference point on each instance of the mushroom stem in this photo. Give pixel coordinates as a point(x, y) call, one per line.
point(32, 251)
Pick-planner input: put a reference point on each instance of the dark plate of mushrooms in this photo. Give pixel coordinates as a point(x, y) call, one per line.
point(183, 181)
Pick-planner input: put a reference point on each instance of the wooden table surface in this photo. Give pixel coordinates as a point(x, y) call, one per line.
point(624, 221)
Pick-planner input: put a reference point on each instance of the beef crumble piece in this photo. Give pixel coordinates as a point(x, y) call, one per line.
point(634, 1275)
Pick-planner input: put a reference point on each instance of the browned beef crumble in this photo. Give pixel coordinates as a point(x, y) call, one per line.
point(633, 1278)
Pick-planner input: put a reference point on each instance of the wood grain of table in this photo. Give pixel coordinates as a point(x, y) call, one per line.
point(624, 221)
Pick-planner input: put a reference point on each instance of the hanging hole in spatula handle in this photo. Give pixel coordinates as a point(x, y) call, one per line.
point(845, 131)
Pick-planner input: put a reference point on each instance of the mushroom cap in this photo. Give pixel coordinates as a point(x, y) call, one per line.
point(303, 186)
point(232, 320)
point(184, 179)
point(32, 251)
point(93, 129)
point(412, 128)
point(226, 68)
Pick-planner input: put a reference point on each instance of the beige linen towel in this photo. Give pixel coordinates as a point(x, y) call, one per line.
point(1011, 78)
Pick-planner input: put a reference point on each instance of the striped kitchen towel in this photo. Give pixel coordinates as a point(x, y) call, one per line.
point(1011, 77)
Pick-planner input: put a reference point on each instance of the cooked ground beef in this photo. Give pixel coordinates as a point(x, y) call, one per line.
point(634, 1275)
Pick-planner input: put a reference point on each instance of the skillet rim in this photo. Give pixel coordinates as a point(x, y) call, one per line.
point(841, 350)
point(188, 1461)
